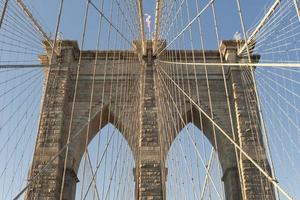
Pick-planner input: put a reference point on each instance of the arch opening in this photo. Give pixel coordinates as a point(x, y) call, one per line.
point(190, 157)
point(106, 171)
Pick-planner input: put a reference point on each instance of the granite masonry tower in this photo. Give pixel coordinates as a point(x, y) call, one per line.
point(240, 177)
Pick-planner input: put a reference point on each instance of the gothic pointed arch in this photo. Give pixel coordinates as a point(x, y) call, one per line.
point(223, 147)
point(99, 120)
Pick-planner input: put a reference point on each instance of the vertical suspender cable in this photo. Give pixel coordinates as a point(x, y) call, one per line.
point(256, 94)
point(74, 99)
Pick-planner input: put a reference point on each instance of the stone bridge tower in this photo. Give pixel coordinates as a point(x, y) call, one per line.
point(149, 152)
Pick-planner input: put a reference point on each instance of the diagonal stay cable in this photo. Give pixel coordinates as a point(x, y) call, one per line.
point(231, 140)
point(3, 12)
point(198, 153)
point(188, 25)
point(42, 170)
point(110, 23)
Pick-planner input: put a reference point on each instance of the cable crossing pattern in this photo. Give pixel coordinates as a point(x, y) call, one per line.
point(95, 106)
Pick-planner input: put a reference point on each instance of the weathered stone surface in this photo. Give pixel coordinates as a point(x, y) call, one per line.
point(150, 172)
point(150, 184)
